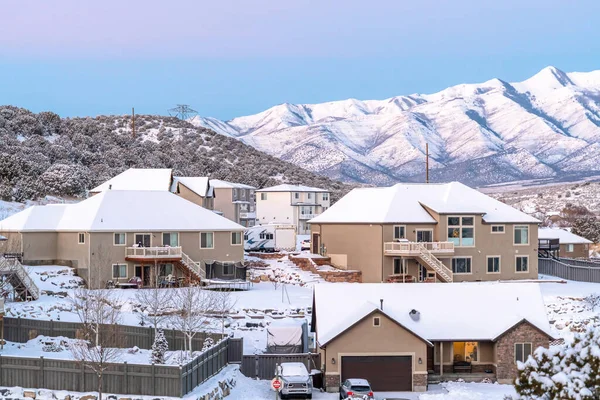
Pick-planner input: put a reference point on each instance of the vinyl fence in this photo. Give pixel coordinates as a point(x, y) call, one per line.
point(150, 380)
point(563, 270)
point(262, 366)
point(579, 263)
point(21, 330)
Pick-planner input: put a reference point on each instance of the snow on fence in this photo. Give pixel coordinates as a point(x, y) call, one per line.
point(549, 266)
point(21, 330)
point(579, 263)
point(262, 366)
point(124, 378)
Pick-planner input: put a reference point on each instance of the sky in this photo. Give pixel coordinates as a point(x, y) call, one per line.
point(229, 58)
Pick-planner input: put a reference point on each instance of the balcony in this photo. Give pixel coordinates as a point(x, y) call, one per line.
point(412, 249)
point(306, 216)
point(153, 253)
point(247, 215)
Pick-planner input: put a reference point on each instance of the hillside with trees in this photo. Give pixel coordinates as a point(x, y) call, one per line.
point(44, 154)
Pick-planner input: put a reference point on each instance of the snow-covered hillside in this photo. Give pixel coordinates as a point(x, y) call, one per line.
point(545, 126)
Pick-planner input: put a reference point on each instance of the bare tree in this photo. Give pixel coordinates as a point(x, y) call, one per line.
point(99, 312)
point(224, 301)
point(193, 306)
point(155, 306)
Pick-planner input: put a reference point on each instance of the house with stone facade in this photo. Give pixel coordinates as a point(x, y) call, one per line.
point(427, 233)
point(559, 242)
point(117, 235)
point(400, 337)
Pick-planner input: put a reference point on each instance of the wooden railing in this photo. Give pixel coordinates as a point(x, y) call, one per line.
point(414, 248)
point(153, 252)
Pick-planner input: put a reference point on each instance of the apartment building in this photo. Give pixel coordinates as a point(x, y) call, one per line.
point(292, 204)
point(119, 234)
point(235, 201)
point(427, 233)
point(560, 242)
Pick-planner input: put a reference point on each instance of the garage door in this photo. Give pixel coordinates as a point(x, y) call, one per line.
point(385, 373)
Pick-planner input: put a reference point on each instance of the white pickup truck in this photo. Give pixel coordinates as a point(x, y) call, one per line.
point(296, 382)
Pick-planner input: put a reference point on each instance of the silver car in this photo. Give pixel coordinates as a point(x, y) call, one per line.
point(356, 389)
point(296, 382)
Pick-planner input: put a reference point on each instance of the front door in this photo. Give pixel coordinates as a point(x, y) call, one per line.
point(144, 272)
point(142, 239)
point(430, 358)
point(424, 236)
point(315, 243)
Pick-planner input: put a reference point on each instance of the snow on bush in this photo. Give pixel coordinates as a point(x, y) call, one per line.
point(208, 343)
point(570, 371)
point(159, 348)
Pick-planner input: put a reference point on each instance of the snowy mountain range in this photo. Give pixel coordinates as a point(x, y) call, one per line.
point(547, 126)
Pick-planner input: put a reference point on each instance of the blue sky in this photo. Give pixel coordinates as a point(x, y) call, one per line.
point(231, 58)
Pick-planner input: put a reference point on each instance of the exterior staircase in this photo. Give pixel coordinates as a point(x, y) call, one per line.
point(15, 274)
point(194, 268)
point(427, 258)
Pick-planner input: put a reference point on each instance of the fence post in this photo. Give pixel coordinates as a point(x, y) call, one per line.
point(41, 377)
point(82, 380)
point(125, 378)
point(19, 330)
point(52, 328)
point(153, 380)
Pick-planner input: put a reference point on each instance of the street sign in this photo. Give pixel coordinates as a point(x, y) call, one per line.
point(276, 384)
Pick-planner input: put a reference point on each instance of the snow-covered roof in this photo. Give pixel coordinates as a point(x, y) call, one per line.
point(120, 210)
point(138, 179)
point(447, 311)
point(199, 185)
point(219, 184)
point(292, 188)
point(404, 203)
point(563, 236)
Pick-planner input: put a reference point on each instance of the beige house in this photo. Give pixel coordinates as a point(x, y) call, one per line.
point(235, 201)
point(198, 190)
point(138, 179)
point(562, 243)
point(427, 233)
point(291, 204)
point(118, 234)
point(400, 337)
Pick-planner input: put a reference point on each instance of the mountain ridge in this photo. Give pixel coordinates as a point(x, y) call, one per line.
point(545, 126)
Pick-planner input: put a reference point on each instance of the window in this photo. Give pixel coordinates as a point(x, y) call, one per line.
point(81, 238)
point(236, 238)
point(263, 196)
point(228, 269)
point(376, 321)
point(296, 195)
point(120, 239)
point(461, 231)
point(309, 195)
point(325, 196)
point(493, 265)
point(521, 235)
point(461, 265)
point(171, 239)
point(399, 232)
point(206, 240)
point(570, 248)
point(143, 239)
point(522, 351)
point(497, 228)
point(119, 271)
point(166, 269)
point(522, 264)
point(268, 236)
point(399, 266)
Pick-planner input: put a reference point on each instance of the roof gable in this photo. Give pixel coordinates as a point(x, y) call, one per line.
point(200, 185)
point(292, 188)
point(563, 236)
point(138, 179)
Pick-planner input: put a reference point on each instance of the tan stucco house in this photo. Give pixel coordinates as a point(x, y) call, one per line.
point(399, 337)
point(562, 243)
point(118, 234)
point(138, 179)
point(427, 233)
point(235, 201)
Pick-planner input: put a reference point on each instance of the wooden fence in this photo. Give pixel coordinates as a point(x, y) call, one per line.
point(21, 330)
point(549, 266)
point(262, 366)
point(134, 379)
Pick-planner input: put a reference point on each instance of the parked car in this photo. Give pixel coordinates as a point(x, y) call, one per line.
point(305, 244)
point(296, 382)
point(356, 389)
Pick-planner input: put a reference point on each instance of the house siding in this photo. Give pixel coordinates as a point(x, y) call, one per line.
point(184, 192)
point(580, 250)
point(223, 202)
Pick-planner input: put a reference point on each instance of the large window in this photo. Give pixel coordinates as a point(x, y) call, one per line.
point(399, 266)
point(171, 239)
point(119, 271)
point(120, 239)
point(493, 265)
point(521, 234)
point(522, 264)
point(325, 196)
point(236, 238)
point(263, 196)
point(461, 231)
point(522, 351)
point(81, 238)
point(206, 240)
point(461, 265)
point(399, 232)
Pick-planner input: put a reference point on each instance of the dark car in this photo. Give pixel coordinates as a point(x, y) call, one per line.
point(356, 389)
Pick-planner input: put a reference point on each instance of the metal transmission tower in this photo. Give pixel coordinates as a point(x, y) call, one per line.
point(182, 111)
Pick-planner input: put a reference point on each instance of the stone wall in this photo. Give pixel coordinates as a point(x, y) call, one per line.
point(267, 256)
point(506, 367)
point(328, 272)
point(419, 382)
point(332, 383)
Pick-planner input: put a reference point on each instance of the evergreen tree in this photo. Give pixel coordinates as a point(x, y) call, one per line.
point(587, 227)
point(159, 347)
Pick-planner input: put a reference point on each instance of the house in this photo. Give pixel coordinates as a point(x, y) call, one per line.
point(236, 201)
point(138, 179)
point(198, 190)
point(291, 204)
point(119, 234)
point(427, 233)
point(561, 242)
point(397, 336)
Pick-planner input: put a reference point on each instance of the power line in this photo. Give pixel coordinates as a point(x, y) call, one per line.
point(182, 111)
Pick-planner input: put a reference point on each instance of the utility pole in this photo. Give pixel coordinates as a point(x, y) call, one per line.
point(182, 111)
point(133, 122)
point(426, 162)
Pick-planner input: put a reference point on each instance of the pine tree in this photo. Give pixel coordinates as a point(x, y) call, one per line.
point(159, 347)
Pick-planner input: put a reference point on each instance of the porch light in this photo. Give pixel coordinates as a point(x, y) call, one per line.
point(420, 360)
point(333, 360)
